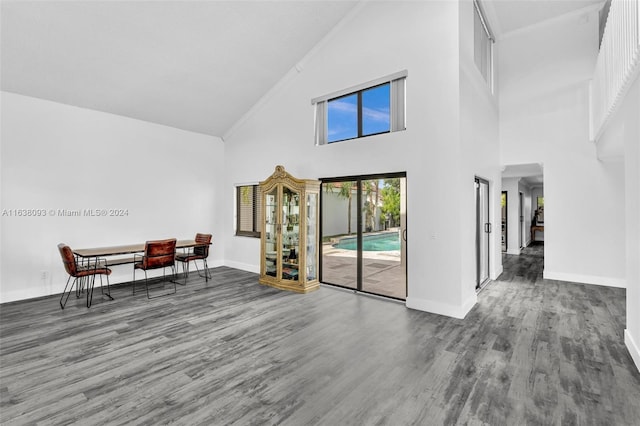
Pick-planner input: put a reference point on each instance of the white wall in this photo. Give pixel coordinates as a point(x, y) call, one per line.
point(479, 154)
point(625, 126)
point(380, 38)
point(544, 119)
point(56, 156)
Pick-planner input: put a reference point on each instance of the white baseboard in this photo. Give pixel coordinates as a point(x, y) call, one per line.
point(215, 263)
point(15, 296)
point(243, 266)
point(442, 308)
point(498, 272)
point(514, 251)
point(633, 348)
point(585, 279)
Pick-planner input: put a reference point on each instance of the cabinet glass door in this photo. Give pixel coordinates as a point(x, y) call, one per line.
point(290, 233)
point(270, 229)
point(311, 257)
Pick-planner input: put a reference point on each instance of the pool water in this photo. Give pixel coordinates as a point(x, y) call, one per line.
point(380, 242)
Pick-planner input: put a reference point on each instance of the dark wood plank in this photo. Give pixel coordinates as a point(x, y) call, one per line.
point(232, 351)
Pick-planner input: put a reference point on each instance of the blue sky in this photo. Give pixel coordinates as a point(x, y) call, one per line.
point(342, 114)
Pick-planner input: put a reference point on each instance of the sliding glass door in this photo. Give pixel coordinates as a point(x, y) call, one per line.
point(483, 229)
point(364, 234)
point(339, 229)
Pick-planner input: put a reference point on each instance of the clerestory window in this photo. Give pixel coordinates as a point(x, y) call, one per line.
point(368, 109)
point(483, 45)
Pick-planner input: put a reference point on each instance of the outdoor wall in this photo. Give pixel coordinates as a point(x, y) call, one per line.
point(378, 39)
point(545, 71)
point(58, 157)
point(625, 126)
point(338, 223)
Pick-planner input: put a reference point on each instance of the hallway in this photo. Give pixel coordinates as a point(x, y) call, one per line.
point(528, 266)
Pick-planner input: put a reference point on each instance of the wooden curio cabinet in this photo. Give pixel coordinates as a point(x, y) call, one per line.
point(289, 234)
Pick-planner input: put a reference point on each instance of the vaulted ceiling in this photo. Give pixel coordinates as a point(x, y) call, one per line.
point(193, 65)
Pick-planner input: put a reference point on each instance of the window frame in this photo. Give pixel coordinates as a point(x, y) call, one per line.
point(397, 106)
point(359, 115)
point(488, 34)
point(255, 232)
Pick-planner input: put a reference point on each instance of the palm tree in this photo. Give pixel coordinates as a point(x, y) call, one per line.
point(391, 200)
point(371, 192)
point(346, 191)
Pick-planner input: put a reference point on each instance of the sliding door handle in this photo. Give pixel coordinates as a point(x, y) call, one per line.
point(404, 235)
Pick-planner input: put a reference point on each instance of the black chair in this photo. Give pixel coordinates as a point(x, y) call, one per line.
point(83, 275)
point(199, 252)
point(158, 254)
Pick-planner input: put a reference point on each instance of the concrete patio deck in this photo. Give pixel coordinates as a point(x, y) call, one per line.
point(382, 271)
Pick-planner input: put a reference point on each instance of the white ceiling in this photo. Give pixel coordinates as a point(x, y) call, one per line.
point(512, 15)
point(531, 174)
point(193, 65)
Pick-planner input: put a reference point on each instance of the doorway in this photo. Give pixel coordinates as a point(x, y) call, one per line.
point(521, 223)
point(504, 210)
point(483, 229)
point(364, 235)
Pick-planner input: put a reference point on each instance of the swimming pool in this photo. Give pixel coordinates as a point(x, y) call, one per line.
point(387, 241)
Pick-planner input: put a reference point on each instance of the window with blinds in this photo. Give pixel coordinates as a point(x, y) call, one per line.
point(483, 45)
point(371, 108)
point(249, 210)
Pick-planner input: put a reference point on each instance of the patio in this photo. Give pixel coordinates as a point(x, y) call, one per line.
point(382, 271)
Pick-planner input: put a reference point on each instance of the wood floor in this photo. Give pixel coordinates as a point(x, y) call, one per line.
point(231, 351)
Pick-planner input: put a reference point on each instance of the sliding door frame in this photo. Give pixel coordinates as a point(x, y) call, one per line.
point(359, 222)
point(482, 228)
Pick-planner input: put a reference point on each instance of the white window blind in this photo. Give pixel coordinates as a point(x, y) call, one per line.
point(397, 105)
point(483, 45)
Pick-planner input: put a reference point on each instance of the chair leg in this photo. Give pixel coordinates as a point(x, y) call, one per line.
point(62, 305)
point(146, 283)
point(185, 265)
point(175, 277)
point(207, 274)
point(134, 280)
point(90, 290)
point(108, 287)
point(164, 276)
point(79, 286)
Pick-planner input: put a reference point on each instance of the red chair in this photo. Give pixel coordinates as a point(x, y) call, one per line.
point(83, 275)
point(158, 254)
point(199, 252)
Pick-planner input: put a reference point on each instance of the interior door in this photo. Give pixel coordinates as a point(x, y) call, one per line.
point(521, 219)
point(483, 230)
point(504, 221)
